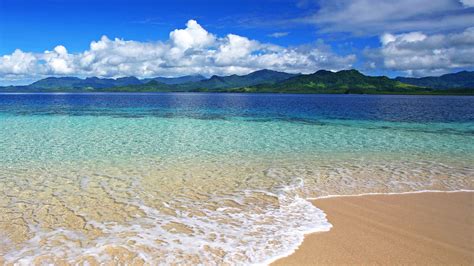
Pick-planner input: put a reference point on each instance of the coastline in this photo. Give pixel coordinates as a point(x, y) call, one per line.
point(422, 227)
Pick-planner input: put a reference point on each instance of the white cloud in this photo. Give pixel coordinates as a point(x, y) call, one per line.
point(407, 37)
point(373, 17)
point(59, 61)
point(17, 63)
point(279, 34)
point(419, 54)
point(194, 36)
point(468, 3)
point(234, 49)
point(191, 50)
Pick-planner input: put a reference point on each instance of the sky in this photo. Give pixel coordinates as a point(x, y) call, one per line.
point(147, 38)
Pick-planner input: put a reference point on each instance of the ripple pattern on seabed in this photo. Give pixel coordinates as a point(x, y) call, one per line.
point(233, 213)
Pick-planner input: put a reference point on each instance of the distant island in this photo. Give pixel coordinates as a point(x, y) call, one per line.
point(264, 81)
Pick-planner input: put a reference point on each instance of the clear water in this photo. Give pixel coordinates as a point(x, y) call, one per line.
point(209, 178)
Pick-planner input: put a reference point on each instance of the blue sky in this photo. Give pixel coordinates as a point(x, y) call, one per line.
point(173, 38)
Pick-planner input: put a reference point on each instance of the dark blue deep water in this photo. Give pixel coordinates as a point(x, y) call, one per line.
point(397, 108)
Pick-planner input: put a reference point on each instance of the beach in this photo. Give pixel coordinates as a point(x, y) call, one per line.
point(416, 228)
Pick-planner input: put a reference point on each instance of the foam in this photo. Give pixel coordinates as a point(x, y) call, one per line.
point(391, 193)
point(245, 239)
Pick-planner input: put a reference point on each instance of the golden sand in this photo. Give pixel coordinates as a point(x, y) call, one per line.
point(421, 228)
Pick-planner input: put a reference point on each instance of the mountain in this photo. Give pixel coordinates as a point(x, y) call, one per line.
point(184, 83)
point(214, 83)
point(236, 81)
point(461, 80)
point(345, 81)
point(99, 83)
point(53, 82)
point(73, 83)
point(177, 80)
point(151, 86)
point(263, 81)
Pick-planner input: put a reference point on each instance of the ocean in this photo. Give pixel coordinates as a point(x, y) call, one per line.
point(209, 178)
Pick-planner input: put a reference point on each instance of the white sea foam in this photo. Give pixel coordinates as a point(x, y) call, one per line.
point(298, 214)
point(391, 193)
point(244, 234)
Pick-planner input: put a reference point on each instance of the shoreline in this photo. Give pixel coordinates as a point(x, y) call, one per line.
point(389, 193)
point(390, 228)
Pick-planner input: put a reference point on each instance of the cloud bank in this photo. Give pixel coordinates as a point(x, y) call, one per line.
point(419, 54)
point(374, 17)
point(192, 50)
point(417, 37)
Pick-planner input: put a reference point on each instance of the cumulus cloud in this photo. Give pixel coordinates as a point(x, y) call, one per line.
point(194, 36)
point(373, 17)
point(192, 50)
point(18, 63)
point(419, 54)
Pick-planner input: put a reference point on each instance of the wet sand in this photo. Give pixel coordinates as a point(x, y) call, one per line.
point(421, 228)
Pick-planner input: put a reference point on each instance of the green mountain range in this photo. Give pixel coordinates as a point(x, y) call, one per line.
point(77, 83)
point(263, 81)
point(460, 80)
point(178, 80)
point(345, 81)
point(235, 81)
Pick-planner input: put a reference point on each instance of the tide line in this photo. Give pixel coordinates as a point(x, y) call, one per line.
point(391, 193)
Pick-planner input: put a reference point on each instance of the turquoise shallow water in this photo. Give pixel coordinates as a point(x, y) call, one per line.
point(83, 138)
point(209, 177)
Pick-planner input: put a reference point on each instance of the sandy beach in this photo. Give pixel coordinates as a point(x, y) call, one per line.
point(421, 228)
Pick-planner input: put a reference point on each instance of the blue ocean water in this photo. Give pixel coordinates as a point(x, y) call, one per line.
point(393, 108)
point(239, 124)
point(164, 170)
